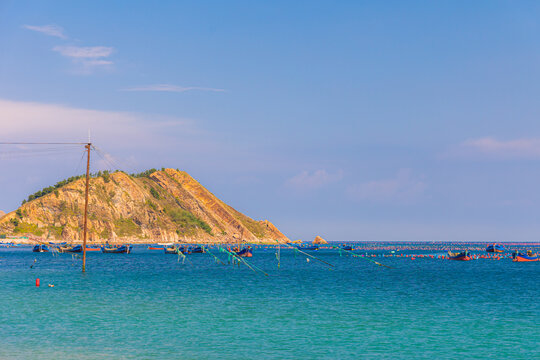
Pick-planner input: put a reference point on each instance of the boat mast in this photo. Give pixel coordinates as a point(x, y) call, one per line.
point(85, 226)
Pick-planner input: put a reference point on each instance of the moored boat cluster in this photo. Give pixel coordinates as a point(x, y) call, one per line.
point(492, 251)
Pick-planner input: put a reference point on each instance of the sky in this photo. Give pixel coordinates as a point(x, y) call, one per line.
point(352, 120)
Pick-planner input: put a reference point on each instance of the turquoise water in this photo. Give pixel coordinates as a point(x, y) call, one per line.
point(147, 305)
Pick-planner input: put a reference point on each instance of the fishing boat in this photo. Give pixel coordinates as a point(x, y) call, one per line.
point(93, 248)
point(40, 248)
point(122, 249)
point(347, 247)
point(198, 250)
point(57, 244)
point(529, 256)
point(495, 248)
point(69, 248)
point(309, 248)
point(171, 249)
point(245, 252)
point(175, 249)
point(462, 256)
point(153, 247)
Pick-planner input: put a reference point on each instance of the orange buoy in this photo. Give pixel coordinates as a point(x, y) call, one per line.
point(37, 282)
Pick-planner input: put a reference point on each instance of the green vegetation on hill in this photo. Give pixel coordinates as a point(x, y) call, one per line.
point(50, 189)
point(126, 227)
point(186, 221)
point(146, 173)
point(104, 174)
point(27, 228)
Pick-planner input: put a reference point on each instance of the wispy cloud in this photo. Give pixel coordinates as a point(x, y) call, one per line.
point(315, 180)
point(403, 187)
point(86, 52)
point(170, 88)
point(90, 57)
point(51, 30)
point(489, 147)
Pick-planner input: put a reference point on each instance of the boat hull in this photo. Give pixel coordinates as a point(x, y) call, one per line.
point(197, 250)
point(308, 248)
point(171, 250)
point(40, 248)
point(525, 258)
point(462, 256)
point(124, 249)
point(495, 248)
point(246, 252)
point(70, 249)
point(176, 250)
point(459, 258)
point(93, 249)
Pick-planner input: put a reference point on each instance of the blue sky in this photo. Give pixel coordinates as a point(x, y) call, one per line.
point(353, 120)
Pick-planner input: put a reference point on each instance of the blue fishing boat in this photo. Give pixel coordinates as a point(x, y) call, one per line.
point(245, 252)
point(175, 249)
point(122, 249)
point(40, 248)
point(69, 249)
point(308, 248)
point(529, 256)
point(495, 248)
point(347, 247)
point(462, 256)
point(57, 244)
point(76, 249)
point(198, 250)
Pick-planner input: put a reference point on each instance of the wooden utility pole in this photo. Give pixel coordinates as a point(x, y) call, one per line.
point(87, 146)
point(85, 226)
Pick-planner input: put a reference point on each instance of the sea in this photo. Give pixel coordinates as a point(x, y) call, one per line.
point(390, 301)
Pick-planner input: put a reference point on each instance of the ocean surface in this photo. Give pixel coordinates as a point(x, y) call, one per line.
point(148, 305)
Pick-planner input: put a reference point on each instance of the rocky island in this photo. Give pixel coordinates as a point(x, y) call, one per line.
point(165, 205)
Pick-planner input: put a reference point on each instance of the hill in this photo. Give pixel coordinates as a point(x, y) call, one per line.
point(154, 206)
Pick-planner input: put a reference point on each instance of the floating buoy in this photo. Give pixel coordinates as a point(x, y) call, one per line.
point(51, 285)
point(37, 282)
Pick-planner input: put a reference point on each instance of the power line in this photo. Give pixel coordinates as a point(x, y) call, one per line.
point(43, 143)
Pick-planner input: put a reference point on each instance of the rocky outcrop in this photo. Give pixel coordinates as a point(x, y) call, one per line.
point(319, 240)
point(160, 206)
point(2, 214)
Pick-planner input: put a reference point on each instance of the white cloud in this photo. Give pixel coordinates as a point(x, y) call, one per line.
point(315, 180)
point(89, 57)
point(85, 52)
point(498, 149)
point(170, 88)
point(403, 187)
point(51, 30)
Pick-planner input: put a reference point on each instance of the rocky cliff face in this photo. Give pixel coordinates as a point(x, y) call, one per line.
point(161, 206)
point(319, 240)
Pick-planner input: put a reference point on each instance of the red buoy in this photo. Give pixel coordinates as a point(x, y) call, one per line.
point(37, 282)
